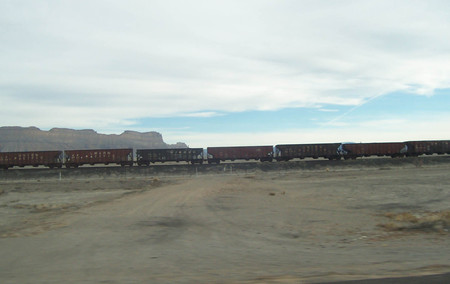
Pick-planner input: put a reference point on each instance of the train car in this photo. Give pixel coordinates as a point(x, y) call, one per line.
point(354, 150)
point(76, 158)
point(51, 159)
point(292, 151)
point(261, 153)
point(147, 156)
point(416, 148)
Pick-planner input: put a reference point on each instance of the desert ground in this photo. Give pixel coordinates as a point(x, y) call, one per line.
point(275, 226)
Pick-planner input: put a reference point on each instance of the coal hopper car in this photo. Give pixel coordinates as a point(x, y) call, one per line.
point(147, 156)
point(302, 151)
point(355, 150)
point(51, 159)
point(76, 158)
point(416, 148)
point(261, 153)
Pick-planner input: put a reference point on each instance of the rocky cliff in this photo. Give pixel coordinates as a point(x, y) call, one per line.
point(33, 139)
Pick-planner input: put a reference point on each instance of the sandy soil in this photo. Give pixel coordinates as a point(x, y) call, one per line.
point(268, 227)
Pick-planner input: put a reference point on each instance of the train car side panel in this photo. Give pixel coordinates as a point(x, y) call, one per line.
point(33, 158)
point(374, 149)
point(262, 153)
point(416, 148)
point(292, 151)
point(147, 156)
point(75, 158)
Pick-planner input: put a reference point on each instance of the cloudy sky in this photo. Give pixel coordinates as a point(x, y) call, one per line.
point(213, 73)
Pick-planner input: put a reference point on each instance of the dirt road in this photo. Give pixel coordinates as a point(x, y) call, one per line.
point(278, 227)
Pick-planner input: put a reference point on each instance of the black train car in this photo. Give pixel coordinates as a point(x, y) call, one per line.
point(147, 156)
point(416, 148)
point(292, 151)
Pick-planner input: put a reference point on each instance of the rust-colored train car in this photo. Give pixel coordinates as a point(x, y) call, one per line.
point(354, 150)
point(262, 153)
point(51, 159)
point(76, 158)
point(416, 148)
point(292, 151)
point(147, 156)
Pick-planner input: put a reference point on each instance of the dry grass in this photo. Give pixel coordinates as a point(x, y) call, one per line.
point(38, 208)
point(426, 222)
point(250, 177)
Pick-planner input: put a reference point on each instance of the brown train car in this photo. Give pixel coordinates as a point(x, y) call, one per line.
point(352, 151)
point(262, 153)
point(76, 158)
point(289, 152)
point(50, 159)
point(416, 148)
point(147, 156)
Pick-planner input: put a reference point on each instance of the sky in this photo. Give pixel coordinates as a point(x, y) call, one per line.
point(229, 73)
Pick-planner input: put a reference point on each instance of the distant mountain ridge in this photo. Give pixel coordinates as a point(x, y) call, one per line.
point(14, 138)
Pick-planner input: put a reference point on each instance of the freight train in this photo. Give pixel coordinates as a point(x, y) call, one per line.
point(286, 152)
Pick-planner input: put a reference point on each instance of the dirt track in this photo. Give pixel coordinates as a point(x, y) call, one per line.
point(276, 227)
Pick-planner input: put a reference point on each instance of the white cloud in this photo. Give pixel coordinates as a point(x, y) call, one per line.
point(103, 64)
point(203, 114)
point(328, 110)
